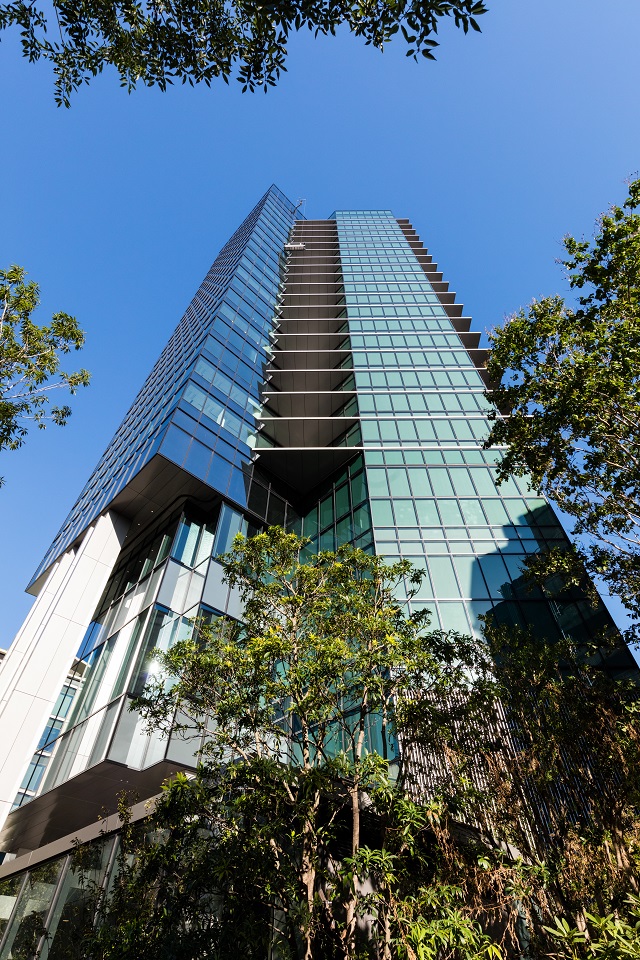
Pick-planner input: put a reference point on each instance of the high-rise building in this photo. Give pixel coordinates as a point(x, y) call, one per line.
point(323, 378)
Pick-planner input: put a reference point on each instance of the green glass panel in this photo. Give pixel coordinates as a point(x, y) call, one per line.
point(443, 578)
point(484, 482)
point(441, 483)
point(427, 513)
point(358, 488)
point(310, 524)
point(470, 577)
point(453, 617)
point(27, 923)
point(399, 483)
point(462, 483)
point(463, 430)
point(370, 432)
point(382, 513)
point(9, 890)
point(405, 513)
point(361, 519)
point(518, 510)
point(420, 485)
point(327, 540)
point(495, 511)
point(515, 563)
point(344, 530)
point(450, 513)
point(426, 430)
point(388, 430)
point(378, 485)
point(472, 512)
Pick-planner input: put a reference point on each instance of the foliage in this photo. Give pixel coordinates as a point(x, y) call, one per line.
point(569, 384)
point(298, 829)
point(611, 937)
point(566, 783)
point(196, 41)
point(30, 360)
point(372, 789)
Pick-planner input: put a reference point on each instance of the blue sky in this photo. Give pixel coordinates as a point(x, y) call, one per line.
point(118, 206)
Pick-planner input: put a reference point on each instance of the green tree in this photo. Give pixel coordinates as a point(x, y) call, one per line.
point(565, 779)
point(568, 388)
point(370, 788)
point(302, 829)
point(30, 361)
point(197, 41)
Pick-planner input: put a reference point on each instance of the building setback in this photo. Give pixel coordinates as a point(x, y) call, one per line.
point(323, 378)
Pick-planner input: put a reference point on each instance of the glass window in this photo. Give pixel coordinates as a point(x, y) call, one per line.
point(426, 431)
point(344, 530)
point(427, 513)
point(419, 482)
point(382, 513)
point(326, 512)
point(518, 510)
point(198, 458)
point(358, 488)
point(453, 616)
point(35, 771)
point(462, 483)
point(163, 631)
point(388, 430)
point(342, 500)
point(361, 519)
point(27, 924)
point(496, 575)
point(495, 511)
point(472, 512)
point(378, 485)
point(230, 523)
point(398, 483)
point(441, 483)
point(175, 444)
point(9, 890)
point(515, 565)
point(450, 513)
point(310, 523)
point(205, 545)
point(327, 540)
point(470, 578)
point(443, 578)
point(405, 513)
point(276, 512)
point(64, 701)
point(258, 499)
point(75, 908)
point(186, 542)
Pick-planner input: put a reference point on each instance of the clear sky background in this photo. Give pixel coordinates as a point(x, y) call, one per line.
point(118, 206)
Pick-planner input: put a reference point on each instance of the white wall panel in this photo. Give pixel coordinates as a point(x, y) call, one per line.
point(39, 659)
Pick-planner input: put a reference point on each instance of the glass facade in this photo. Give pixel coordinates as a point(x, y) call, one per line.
point(45, 911)
point(323, 379)
point(202, 393)
point(423, 419)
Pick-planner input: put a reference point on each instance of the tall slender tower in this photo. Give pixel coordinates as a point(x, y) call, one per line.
point(323, 378)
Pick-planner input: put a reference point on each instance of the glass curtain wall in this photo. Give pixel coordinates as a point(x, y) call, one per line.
point(202, 393)
point(45, 911)
point(423, 418)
